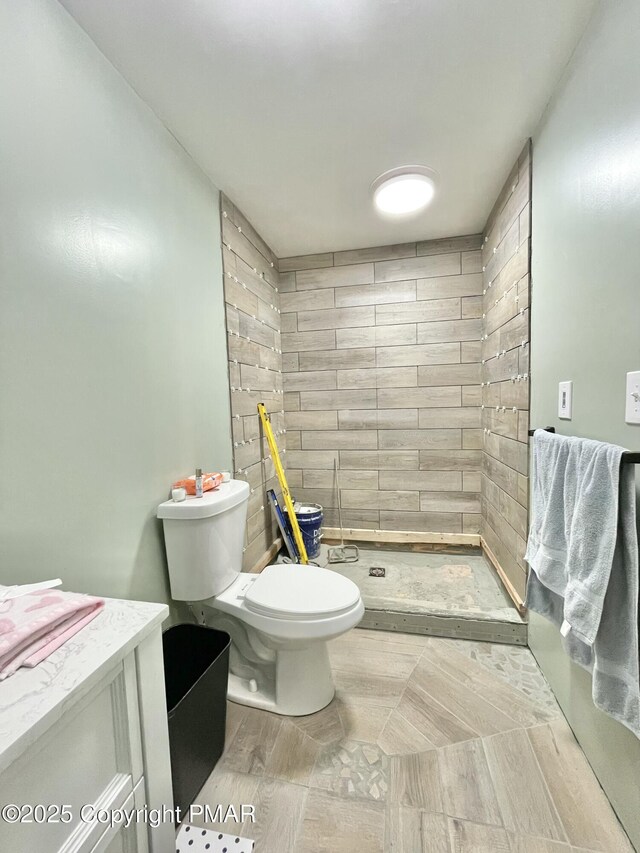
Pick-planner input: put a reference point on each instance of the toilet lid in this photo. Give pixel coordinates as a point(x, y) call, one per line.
point(294, 591)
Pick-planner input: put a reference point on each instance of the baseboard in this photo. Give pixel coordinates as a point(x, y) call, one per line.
point(399, 537)
point(509, 587)
point(266, 558)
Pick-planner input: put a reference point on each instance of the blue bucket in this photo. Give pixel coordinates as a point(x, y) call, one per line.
point(310, 517)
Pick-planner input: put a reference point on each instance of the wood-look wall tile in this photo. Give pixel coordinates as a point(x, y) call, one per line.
point(471, 481)
point(337, 318)
point(340, 440)
point(449, 502)
point(311, 420)
point(422, 481)
point(344, 359)
point(405, 460)
point(449, 374)
point(422, 267)
point(290, 362)
point(393, 377)
point(449, 286)
point(362, 398)
point(420, 439)
point(451, 330)
point(310, 380)
point(451, 460)
point(420, 398)
point(289, 323)
point(425, 522)
point(419, 354)
point(376, 294)
point(306, 262)
point(471, 395)
point(349, 479)
point(365, 499)
point(308, 300)
point(471, 522)
point(314, 279)
point(472, 261)
point(378, 419)
point(465, 243)
point(472, 439)
point(287, 282)
point(382, 336)
point(396, 313)
point(450, 418)
point(301, 341)
point(471, 307)
point(470, 351)
point(312, 459)
point(377, 253)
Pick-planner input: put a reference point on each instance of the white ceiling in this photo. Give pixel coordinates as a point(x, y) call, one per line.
point(293, 107)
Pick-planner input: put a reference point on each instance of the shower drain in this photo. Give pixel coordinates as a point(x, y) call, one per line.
point(377, 572)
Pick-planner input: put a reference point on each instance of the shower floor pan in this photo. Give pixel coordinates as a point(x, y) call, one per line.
point(441, 594)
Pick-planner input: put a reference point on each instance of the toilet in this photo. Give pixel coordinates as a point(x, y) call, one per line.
point(279, 620)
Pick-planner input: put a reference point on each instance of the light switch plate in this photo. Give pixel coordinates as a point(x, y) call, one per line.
point(565, 400)
point(632, 406)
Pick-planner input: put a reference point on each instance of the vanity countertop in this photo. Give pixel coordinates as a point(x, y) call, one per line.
point(33, 699)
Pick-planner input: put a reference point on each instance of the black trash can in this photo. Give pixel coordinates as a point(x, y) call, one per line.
point(196, 669)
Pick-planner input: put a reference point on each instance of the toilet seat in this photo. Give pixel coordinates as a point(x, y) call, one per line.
point(291, 591)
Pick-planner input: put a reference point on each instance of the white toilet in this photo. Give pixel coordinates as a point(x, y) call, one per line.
point(279, 620)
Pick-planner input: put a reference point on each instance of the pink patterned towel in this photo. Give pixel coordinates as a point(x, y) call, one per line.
point(36, 624)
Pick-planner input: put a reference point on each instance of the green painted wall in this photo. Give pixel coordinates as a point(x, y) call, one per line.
point(586, 312)
point(113, 378)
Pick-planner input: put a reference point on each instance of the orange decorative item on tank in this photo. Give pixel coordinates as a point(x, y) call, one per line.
point(209, 482)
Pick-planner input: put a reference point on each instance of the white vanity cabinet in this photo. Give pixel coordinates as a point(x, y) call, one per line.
point(83, 735)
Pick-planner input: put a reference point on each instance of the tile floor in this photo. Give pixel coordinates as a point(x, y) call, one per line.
point(430, 746)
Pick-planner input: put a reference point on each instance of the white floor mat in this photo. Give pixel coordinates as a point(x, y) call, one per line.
point(194, 839)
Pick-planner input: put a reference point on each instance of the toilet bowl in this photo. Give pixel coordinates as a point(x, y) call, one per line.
point(279, 620)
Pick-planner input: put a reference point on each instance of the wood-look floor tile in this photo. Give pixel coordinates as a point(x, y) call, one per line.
point(324, 726)
point(480, 681)
point(374, 690)
point(469, 837)
point(226, 788)
point(399, 737)
point(466, 783)
point(527, 844)
point(432, 719)
point(410, 830)
point(584, 809)
point(365, 662)
point(293, 755)
point(253, 742)
point(525, 802)
point(279, 810)
point(414, 780)
point(363, 722)
point(333, 825)
point(466, 704)
point(375, 641)
point(235, 715)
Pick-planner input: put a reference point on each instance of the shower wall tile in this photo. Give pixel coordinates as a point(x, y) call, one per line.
point(251, 284)
point(505, 357)
point(382, 349)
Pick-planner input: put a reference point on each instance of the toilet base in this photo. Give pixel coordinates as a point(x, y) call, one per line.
point(301, 683)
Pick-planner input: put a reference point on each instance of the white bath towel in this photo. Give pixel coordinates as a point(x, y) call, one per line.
point(583, 554)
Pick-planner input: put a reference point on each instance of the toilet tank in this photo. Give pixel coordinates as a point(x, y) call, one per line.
point(204, 539)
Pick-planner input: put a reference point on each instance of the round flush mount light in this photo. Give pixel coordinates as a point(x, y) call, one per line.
point(405, 190)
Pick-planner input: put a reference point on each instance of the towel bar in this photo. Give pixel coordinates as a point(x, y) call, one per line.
point(628, 457)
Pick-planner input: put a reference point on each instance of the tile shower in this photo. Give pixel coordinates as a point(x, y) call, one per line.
point(407, 367)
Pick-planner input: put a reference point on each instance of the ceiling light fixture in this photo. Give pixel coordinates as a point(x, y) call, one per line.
point(405, 190)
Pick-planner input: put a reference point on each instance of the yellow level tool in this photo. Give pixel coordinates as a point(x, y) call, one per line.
point(286, 494)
